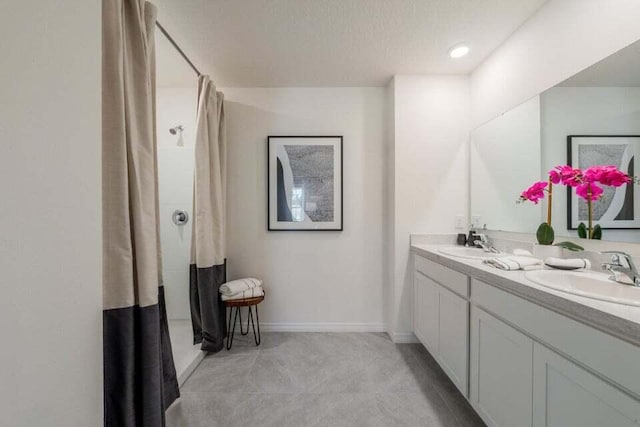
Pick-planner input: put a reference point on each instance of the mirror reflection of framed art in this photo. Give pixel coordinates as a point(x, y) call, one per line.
point(618, 207)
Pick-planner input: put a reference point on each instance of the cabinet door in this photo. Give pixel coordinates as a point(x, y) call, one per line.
point(501, 371)
point(566, 395)
point(426, 312)
point(453, 333)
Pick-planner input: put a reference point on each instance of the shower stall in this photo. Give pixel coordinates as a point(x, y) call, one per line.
point(176, 103)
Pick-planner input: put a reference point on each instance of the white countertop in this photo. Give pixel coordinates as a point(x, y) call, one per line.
point(620, 320)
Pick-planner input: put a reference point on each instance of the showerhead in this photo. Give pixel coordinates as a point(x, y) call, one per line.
point(175, 130)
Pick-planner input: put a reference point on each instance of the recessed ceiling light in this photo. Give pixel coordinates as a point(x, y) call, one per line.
point(458, 51)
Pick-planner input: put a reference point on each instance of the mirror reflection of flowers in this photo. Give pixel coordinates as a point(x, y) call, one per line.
point(588, 185)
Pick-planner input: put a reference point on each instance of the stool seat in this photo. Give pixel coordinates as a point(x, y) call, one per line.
point(244, 302)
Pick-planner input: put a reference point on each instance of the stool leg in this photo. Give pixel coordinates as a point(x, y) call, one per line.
point(233, 330)
point(256, 337)
point(241, 332)
point(247, 331)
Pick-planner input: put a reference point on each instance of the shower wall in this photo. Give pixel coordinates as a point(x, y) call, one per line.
point(176, 106)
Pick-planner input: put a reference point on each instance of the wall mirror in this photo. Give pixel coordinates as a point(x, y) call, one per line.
point(589, 119)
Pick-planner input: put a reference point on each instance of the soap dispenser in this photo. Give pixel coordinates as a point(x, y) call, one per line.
point(471, 239)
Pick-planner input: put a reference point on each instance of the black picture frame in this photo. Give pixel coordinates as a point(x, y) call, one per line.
point(337, 168)
point(571, 224)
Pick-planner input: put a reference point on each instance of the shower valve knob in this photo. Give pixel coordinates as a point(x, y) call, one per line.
point(180, 217)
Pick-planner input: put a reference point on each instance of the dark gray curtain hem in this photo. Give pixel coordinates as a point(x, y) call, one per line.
point(207, 309)
point(170, 389)
point(140, 380)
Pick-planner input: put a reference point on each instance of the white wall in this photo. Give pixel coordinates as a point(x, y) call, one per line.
point(176, 106)
point(314, 280)
point(562, 38)
point(50, 233)
point(585, 111)
point(505, 160)
point(431, 115)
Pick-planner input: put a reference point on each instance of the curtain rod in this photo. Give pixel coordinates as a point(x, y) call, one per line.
point(173, 42)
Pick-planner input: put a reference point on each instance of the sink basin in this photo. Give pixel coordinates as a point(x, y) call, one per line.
point(470, 253)
point(587, 284)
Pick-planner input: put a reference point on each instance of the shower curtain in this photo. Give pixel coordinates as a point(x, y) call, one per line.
point(139, 375)
point(208, 257)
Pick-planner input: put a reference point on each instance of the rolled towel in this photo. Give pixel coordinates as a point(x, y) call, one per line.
point(568, 264)
point(515, 263)
point(236, 286)
point(249, 293)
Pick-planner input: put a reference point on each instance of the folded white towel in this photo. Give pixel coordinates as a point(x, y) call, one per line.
point(249, 293)
point(236, 286)
point(568, 264)
point(515, 263)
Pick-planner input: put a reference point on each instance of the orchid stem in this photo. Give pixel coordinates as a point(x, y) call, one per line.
point(590, 209)
point(549, 202)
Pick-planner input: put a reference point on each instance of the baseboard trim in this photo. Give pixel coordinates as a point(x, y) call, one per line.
point(404, 338)
point(322, 327)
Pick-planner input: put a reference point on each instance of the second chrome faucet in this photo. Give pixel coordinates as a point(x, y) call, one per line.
point(622, 265)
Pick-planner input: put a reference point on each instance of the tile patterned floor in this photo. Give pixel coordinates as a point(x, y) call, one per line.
point(320, 379)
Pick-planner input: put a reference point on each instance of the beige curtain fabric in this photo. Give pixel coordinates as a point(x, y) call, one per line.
point(140, 380)
point(208, 242)
point(131, 272)
point(207, 271)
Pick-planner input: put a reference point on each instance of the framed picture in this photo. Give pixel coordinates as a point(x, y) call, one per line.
point(619, 208)
point(304, 183)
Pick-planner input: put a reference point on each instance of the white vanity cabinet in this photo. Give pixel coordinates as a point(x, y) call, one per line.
point(441, 318)
point(520, 363)
point(528, 384)
point(516, 381)
point(501, 371)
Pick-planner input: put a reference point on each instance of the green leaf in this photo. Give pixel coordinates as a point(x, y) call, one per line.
point(545, 234)
point(597, 233)
point(582, 231)
point(570, 246)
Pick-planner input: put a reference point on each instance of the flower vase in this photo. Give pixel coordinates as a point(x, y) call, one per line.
point(546, 251)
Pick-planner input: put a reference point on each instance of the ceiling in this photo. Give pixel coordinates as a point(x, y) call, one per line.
point(622, 69)
point(272, 43)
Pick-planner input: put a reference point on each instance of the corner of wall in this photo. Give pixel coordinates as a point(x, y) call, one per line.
point(430, 145)
point(389, 203)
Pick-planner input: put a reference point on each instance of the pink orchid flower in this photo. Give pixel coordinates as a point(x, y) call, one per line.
point(583, 191)
point(534, 193)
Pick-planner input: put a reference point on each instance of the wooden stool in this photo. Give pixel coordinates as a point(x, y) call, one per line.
point(238, 304)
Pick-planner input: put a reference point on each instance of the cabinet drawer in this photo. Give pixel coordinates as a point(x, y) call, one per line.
point(451, 279)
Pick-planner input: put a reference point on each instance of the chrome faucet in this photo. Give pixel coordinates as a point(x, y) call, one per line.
point(483, 241)
point(628, 268)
